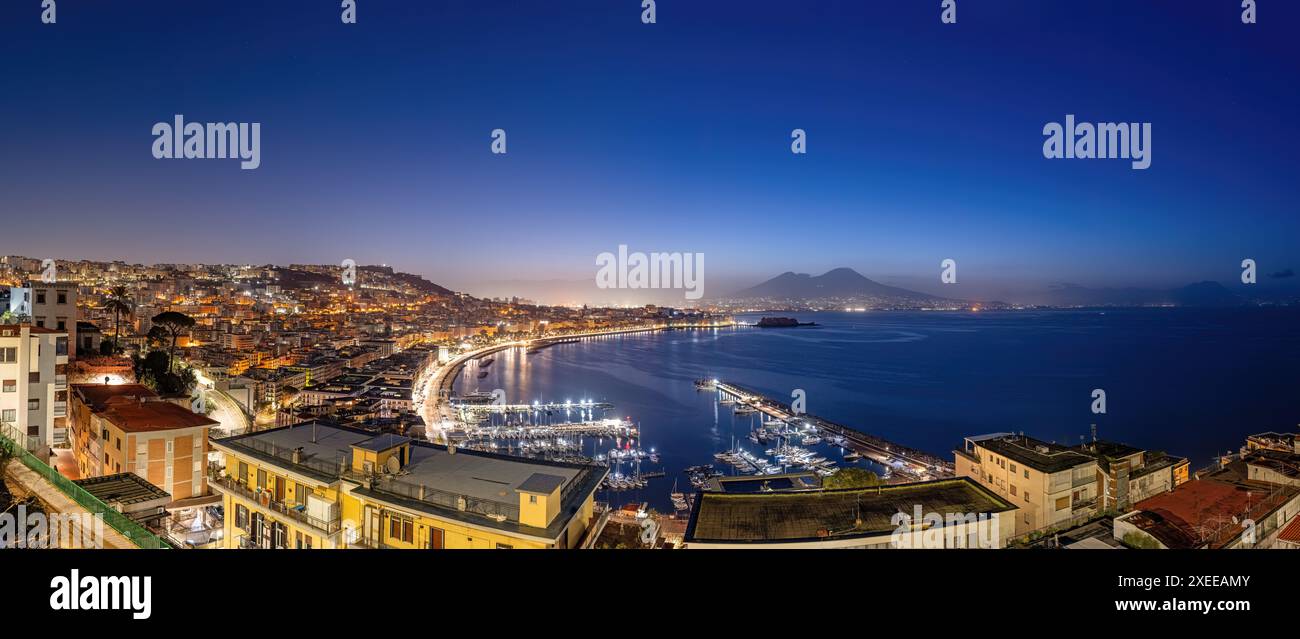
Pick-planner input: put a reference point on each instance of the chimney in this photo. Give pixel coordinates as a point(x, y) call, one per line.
point(297, 455)
point(451, 448)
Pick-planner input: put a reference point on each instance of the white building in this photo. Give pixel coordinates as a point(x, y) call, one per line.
point(34, 386)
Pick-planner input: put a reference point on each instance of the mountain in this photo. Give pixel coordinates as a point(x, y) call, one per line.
point(840, 283)
point(1198, 294)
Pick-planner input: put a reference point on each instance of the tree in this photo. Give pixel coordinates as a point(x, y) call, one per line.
point(174, 323)
point(119, 303)
point(851, 478)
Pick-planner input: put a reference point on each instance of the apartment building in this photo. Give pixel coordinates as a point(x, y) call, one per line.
point(128, 429)
point(1127, 475)
point(54, 305)
point(33, 386)
point(315, 485)
point(1052, 485)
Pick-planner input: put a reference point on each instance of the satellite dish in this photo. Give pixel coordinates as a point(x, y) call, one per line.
point(392, 465)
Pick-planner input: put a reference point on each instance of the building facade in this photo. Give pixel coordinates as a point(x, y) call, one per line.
point(34, 386)
point(128, 429)
point(321, 486)
point(1052, 485)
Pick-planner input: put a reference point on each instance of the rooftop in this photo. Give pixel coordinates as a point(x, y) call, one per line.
point(830, 514)
point(1207, 512)
point(1042, 456)
point(150, 416)
point(127, 492)
point(434, 479)
point(96, 396)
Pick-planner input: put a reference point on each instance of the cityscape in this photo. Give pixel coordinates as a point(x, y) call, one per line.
point(319, 407)
point(971, 284)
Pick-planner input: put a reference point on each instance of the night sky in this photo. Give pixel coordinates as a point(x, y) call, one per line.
point(924, 139)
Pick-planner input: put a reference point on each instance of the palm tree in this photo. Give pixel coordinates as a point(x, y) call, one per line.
point(119, 302)
point(174, 323)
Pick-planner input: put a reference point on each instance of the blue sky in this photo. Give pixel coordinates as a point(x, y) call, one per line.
point(924, 139)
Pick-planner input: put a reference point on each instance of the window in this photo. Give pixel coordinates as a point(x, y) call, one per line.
point(505, 547)
point(40, 297)
point(9, 415)
point(261, 479)
point(401, 528)
point(1026, 473)
point(61, 343)
point(437, 538)
point(1013, 490)
point(34, 377)
point(279, 535)
point(1062, 503)
point(532, 499)
point(11, 386)
point(243, 473)
point(62, 324)
point(9, 354)
point(1013, 469)
point(241, 516)
point(1026, 495)
point(63, 297)
point(33, 404)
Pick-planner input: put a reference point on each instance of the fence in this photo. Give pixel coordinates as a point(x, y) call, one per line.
point(133, 531)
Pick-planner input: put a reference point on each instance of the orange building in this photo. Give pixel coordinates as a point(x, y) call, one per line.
point(128, 429)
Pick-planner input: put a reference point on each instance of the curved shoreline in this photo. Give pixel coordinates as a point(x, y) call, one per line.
point(440, 387)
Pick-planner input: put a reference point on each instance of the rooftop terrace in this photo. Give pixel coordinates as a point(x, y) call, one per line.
point(840, 513)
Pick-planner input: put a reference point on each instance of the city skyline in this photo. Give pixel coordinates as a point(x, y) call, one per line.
point(377, 147)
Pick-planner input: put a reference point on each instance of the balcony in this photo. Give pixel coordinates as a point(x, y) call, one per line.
point(263, 500)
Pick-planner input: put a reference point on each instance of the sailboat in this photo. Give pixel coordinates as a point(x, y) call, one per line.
point(679, 499)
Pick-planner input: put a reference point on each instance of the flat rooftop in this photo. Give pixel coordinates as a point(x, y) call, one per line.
point(1042, 456)
point(96, 396)
point(488, 477)
point(127, 492)
point(1201, 512)
point(830, 514)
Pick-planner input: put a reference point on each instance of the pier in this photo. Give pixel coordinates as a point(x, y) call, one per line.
point(901, 460)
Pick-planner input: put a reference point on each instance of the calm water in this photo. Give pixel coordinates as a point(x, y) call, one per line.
point(1192, 382)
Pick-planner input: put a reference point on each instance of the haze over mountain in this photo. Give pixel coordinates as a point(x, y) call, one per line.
point(1198, 294)
point(840, 283)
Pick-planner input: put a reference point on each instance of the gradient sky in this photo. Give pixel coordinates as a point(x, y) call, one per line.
point(924, 139)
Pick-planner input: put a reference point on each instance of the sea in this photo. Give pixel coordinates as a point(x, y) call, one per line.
point(1190, 382)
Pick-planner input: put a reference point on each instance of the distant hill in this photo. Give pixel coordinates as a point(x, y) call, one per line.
point(842, 283)
point(297, 278)
point(1198, 294)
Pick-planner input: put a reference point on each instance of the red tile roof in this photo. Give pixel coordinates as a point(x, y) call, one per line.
point(136, 417)
point(1292, 531)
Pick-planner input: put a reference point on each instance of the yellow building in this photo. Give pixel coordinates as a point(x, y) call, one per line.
point(323, 486)
point(1052, 485)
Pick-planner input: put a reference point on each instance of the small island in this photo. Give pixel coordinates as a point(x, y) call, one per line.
point(782, 322)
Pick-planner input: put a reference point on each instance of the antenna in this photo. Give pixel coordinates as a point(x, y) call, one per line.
point(1094, 433)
